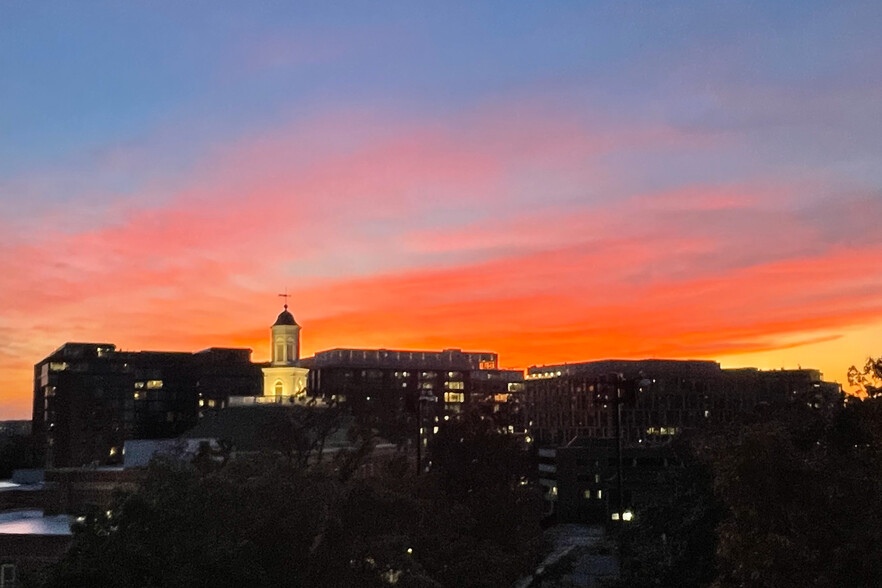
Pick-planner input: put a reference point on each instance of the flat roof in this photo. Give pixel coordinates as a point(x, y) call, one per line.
point(32, 522)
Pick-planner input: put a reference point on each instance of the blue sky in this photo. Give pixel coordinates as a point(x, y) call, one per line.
point(156, 154)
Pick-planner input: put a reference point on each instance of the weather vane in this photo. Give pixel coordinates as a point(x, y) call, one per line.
point(285, 296)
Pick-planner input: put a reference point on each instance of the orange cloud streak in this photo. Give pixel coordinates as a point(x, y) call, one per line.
point(425, 237)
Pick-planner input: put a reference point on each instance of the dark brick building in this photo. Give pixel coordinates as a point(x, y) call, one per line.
point(90, 398)
point(385, 384)
point(570, 409)
point(662, 397)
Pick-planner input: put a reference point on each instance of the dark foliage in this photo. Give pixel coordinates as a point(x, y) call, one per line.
point(868, 378)
point(18, 451)
point(673, 542)
point(786, 501)
point(260, 522)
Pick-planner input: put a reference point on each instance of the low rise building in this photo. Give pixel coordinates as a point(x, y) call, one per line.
point(29, 542)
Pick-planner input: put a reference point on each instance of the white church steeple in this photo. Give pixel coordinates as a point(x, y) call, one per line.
point(283, 378)
point(285, 339)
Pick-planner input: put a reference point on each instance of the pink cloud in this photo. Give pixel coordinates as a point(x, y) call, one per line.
point(424, 235)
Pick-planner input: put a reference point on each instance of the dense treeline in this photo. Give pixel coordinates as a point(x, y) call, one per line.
point(789, 500)
point(269, 521)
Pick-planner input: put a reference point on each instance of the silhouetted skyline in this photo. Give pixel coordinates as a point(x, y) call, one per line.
point(549, 182)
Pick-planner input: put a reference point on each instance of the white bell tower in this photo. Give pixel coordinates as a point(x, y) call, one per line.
point(286, 339)
point(283, 379)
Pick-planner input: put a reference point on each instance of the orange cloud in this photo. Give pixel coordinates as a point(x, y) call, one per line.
point(443, 235)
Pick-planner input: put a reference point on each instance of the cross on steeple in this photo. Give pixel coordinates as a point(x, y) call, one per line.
point(285, 296)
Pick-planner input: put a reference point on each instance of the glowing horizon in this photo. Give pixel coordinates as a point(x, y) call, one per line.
point(552, 184)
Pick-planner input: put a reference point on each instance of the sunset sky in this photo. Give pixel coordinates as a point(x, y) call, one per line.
point(553, 181)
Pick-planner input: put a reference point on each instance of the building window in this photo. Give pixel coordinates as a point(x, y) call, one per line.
point(279, 388)
point(7, 575)
point(454, 397)
point(154, 384)
point(455, 385)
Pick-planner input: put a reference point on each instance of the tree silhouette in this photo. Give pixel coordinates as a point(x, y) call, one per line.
point(868, 378)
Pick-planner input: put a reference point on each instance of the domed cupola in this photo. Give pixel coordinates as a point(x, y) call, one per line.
point(285, 318)
point(285, 339)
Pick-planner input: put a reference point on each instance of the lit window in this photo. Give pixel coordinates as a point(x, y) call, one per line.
point(154, 384)
point(455, 385)
point(587, 493)
point(454, 397)
point(57, 366)
point(600, 494)
point(139, 395)
point(279, 388)
point(139, 385)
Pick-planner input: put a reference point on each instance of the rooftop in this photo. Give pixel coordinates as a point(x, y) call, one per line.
point(32, 522)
